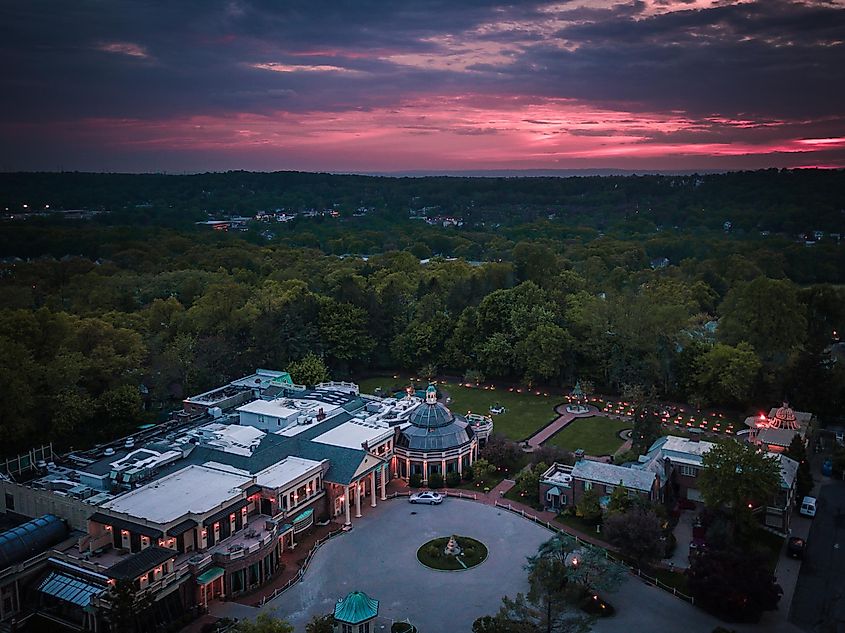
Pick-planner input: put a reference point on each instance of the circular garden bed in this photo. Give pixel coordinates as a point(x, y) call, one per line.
point(431, 554)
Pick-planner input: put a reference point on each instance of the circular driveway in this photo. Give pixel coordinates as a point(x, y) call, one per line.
point(379, 557)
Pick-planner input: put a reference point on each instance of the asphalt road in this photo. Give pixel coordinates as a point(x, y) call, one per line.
point(819, 601)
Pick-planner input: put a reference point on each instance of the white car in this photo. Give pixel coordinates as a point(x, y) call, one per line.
point(429, 497)
point(808, 507)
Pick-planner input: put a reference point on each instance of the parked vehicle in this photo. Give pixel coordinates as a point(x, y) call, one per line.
point(428, 497)
point(795, 547)
point(827, 468)
point(808, 507)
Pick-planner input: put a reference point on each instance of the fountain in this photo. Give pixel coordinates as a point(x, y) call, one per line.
point(452, 547)
point(578, 395)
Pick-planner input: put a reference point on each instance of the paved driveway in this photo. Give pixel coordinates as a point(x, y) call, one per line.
point(379, 557)
point(819, 599)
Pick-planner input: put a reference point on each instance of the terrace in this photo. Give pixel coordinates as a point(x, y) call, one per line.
point(255, 536)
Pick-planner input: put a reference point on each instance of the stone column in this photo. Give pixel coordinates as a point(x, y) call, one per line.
point(384, 483)
point(373, 489)
point(408, 468)
point(357, 500)
point(461, 465)
point(425, 471)
point(443, 470)
point(346, 505)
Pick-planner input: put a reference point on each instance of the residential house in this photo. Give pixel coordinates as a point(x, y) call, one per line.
point(563, 486)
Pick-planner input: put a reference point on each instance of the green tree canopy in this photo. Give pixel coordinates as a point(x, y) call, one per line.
point(735, 474)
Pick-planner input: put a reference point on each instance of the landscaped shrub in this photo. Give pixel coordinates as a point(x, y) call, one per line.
point(469, 473)
point(594, 605)
point(671, 545)
point(415, 480)
point(453, 479)
point(435, 481)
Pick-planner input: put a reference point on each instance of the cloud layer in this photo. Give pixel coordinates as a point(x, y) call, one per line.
point(406, 85)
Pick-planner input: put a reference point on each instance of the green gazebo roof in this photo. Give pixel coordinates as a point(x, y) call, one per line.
point(355, 608)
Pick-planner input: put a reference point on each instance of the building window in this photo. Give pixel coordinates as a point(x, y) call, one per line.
point(608, 490)
point(10, 501)
point(588, 485)
point(364, 628)
point(347, 628)
point(689, 471)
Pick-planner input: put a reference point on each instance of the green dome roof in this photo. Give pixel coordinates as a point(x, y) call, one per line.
point(355, 608)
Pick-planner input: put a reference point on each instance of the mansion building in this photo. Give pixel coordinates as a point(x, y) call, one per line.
point(204, 506)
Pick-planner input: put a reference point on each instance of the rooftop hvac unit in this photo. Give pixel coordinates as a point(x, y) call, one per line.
point(108, 452)
point(215, 412)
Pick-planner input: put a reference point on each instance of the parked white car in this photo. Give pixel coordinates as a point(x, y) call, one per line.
point(808, 507)
point(428, 497)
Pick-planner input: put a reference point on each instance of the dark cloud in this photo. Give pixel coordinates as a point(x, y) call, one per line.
point(124, 59)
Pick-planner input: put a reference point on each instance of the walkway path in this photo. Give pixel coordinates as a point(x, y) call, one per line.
point(563, 419)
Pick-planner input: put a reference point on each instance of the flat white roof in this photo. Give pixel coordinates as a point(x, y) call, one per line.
point(286, 471)
point(274, 408)
point(353, 434)
point(194, 490)
point(231, 438)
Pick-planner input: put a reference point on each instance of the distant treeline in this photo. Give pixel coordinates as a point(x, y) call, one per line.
point(770, 200)
point(106, 322)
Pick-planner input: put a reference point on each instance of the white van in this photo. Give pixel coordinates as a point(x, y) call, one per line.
point(808, 507)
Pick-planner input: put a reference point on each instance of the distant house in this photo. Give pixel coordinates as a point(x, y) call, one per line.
point(659, 262)
point(563, 486)
point(678, 462)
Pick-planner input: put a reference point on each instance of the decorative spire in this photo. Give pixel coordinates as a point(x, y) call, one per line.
point(431, 395)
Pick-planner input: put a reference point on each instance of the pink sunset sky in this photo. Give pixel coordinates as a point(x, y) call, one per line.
point(434, 86)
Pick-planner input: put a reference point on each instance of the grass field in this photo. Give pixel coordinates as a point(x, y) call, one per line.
point(597, 435)
point(525, 413)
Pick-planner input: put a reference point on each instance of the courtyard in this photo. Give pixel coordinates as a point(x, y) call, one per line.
point(379, 557)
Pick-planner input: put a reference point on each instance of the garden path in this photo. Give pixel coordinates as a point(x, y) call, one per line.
point(564, 418)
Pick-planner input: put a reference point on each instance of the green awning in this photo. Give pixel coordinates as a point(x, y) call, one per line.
point(303, 516)
point(303, 521)
point(210, 575)
point(355, 608)
point(555, 491)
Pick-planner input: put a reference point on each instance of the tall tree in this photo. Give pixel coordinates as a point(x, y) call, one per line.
point(637, 534)
point(797, 451)
point(309, 370)
point(736, 475)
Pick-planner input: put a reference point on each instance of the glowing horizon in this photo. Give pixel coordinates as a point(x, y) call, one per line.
point(582, 85)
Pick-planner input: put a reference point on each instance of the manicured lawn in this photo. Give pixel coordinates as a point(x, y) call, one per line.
point(578, 524)
point(597, 435)
point(529, 500)
point(525, 413)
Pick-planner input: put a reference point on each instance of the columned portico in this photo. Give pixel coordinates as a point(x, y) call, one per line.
point(357, 499)
point(384, 482)
point(346, 505)
point(373, 489)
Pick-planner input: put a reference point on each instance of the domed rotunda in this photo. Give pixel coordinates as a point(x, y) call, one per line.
point(435, 440)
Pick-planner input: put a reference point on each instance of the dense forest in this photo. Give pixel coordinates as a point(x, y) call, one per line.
point(637, 280)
